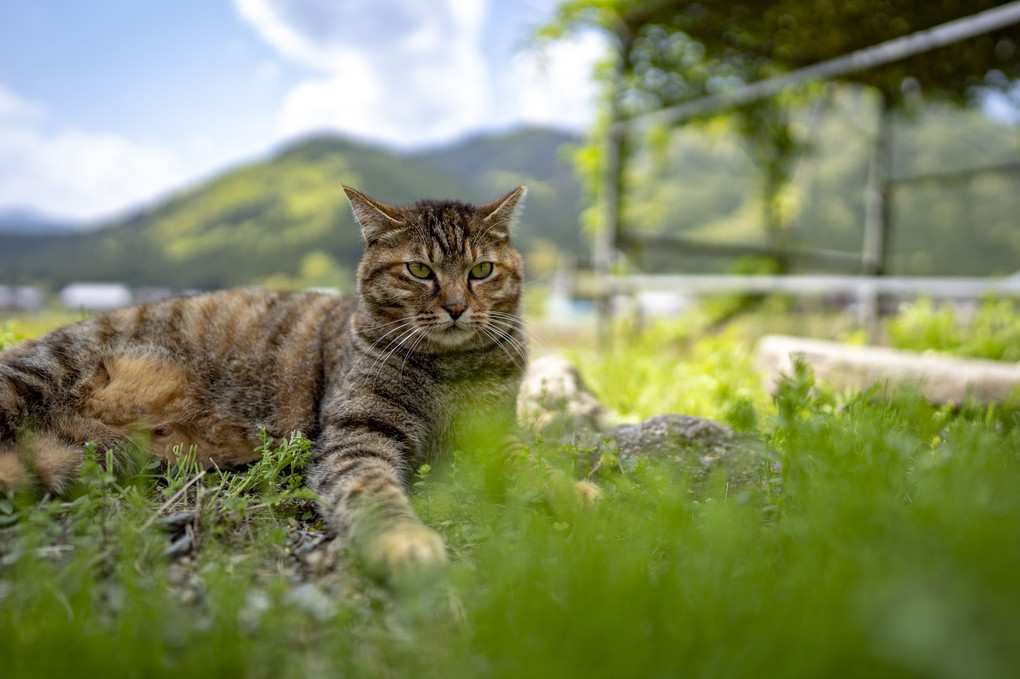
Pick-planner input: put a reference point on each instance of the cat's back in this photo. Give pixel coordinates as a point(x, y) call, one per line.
point(251, 358)
point(266, 354)
point(229, 324)
point(241, 322)
point(202, 371)
point(241, 330)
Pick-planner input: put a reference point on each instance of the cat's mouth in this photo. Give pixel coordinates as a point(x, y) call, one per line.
point(452, 335)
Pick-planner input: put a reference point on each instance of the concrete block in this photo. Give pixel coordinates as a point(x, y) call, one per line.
point(942, 379)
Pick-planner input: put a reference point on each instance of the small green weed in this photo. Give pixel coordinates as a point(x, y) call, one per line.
point(277, 475)
point(184, 468)
point(419, 483)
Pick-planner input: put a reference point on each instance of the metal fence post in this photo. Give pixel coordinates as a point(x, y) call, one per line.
point(875, 248)
point(609, 216)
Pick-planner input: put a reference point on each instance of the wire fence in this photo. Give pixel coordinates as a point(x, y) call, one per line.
point(892, 189)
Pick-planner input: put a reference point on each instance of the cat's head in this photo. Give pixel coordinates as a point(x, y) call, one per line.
point(439, 275)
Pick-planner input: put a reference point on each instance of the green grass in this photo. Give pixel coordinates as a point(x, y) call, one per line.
point(882, 538)
point(15, 327)
point(992, 332)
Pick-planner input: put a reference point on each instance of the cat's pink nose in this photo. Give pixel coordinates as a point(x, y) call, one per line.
point(455, 309)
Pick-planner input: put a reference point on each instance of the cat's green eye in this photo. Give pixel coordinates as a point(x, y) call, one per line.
point(481, 270)
point(419, 270)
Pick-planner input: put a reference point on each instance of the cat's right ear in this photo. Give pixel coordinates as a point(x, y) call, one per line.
point(376, 219)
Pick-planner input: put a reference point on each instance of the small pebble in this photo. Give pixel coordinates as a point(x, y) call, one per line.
point(179, 547)
point(177, 522)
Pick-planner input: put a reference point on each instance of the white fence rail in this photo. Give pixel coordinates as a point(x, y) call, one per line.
point(822, 285)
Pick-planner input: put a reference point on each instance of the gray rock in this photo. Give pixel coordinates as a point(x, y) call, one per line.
point(179, 547)
point(555, 404)
point(700, 445)
point(313, 601)
point(178, 522)
point(672, 434)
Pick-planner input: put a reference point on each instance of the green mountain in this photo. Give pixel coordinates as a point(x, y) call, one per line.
point(491, 165)
point(27, 221)
point(286, 221)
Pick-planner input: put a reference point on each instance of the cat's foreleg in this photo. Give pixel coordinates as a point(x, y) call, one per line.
point(359, 472)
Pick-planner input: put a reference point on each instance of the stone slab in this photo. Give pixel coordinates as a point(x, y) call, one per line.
point(942, 379)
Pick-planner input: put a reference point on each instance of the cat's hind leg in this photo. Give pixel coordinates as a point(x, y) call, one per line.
point(42, 435)
point(13, 476)
point(40, 460)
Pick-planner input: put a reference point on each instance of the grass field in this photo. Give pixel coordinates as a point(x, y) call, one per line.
point(881, 538)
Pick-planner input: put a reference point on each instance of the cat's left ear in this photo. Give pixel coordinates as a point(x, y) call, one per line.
point(502, 214)
point(376, 219)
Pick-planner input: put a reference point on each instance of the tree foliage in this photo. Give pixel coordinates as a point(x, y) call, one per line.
point(672, 51)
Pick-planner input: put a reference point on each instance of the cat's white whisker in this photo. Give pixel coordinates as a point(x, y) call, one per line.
point(516, 343)
point(414, 345)
point(387, 351)
point(399, 342)
point(374, 344)
point(501, 338)
point(496, 339)
point(519, 325)
point(525, 325)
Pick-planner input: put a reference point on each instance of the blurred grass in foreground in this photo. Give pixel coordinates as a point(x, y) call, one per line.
point(881, 539)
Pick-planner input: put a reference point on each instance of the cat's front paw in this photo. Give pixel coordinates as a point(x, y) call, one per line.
point(403, 547)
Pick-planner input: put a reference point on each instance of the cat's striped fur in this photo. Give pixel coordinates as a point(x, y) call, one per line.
point(378, 383)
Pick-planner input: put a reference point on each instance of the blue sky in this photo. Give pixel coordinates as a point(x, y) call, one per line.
point(111, 103)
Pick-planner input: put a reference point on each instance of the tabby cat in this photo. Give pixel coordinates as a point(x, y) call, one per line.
point(378, 383)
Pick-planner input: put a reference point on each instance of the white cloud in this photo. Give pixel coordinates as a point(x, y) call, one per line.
point(409, 73)
point(14, 108)
point(554, 83)
point(402, 72)
point(74, 173)
point(396, 71)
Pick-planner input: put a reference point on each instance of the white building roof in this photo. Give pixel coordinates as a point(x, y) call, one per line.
point(99, 296)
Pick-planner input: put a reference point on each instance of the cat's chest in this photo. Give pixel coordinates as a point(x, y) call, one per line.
point(471, 413)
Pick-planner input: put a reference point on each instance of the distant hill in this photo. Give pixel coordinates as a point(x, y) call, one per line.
point(28, 221)
point(492, 165)
point(286, 218)
point(481, 160)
